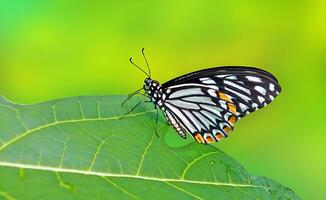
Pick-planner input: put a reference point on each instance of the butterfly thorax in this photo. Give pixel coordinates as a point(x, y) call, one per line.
point(154, 90)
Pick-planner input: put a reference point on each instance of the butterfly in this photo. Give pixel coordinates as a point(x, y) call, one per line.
point(207, 103)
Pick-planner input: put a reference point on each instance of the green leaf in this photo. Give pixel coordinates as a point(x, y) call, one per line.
point(77, 148)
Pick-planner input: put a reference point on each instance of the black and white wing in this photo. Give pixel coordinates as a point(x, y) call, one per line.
point(207, 103)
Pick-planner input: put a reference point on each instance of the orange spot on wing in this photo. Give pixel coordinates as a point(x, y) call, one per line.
point(209, 139)
point(199, 138)
point(226, 129)
point(232, 108)
point(219, 136)
point(232, 119)
point(223, 96)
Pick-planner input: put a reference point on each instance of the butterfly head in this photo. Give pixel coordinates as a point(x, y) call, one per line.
point(153, 89)
point(151, 86)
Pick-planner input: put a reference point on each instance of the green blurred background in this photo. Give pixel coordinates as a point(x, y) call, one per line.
point(55, 49)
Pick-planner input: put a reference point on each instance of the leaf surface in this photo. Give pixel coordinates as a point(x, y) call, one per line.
point(78, 148)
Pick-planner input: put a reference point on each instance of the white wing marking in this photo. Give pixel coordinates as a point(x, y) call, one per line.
point(199, 99)
point(213, 109)
point(271, 97)
point(271, 87)
point(223, 104)
point(207, 81)
point(226, 116)
point(211, 116)
point(243, 107)
point(244, 97)
point(237, 86)
point(260, 89)
point(185, 92)
point(231, 78)
point(254, 105)
point(194, 85)
point(194, 120)
point(222, 126)
point(183, 104)
point(212, 92)
point(253, 79)
point(203, 120)
point(172, 120)
point(261, 99)
point(181, 117)
point(223, 75)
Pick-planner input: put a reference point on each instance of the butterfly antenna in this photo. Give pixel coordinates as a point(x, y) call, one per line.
point(138, 67)
point(149, 70)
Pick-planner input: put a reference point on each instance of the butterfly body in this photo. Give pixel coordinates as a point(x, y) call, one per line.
point(207, 103)
point(155, 92)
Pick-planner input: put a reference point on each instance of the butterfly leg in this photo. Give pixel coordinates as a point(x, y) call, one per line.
point(131, 110)
point(156, 121)
point(131, 95)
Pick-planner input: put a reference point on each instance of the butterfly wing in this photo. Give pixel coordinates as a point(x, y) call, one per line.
point(208, 103)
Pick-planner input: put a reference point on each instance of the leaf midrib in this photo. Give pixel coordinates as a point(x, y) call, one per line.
point(105, 174)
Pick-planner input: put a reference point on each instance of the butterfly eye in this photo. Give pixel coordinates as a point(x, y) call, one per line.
point(148, 82)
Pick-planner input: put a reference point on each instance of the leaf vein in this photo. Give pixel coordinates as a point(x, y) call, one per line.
point(143, 155)
point(6, 196)
point(97, 152)
point(22, 135)
point(193, 162)
point(183, 190)
point(120, 188)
